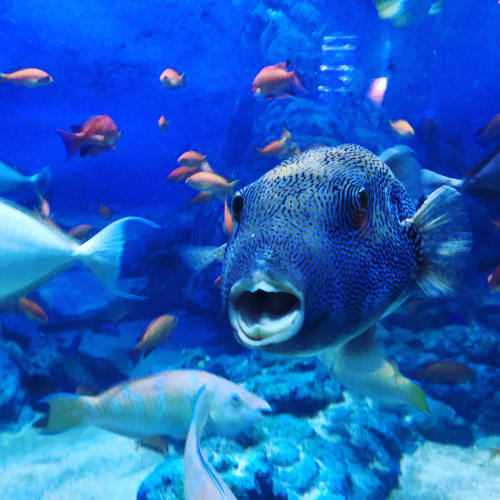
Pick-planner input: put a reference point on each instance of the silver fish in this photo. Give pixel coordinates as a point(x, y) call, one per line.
point(11, 179)
point(327, 243)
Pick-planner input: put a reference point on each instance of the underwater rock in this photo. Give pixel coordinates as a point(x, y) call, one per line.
point(12, 395)
point(166, 482)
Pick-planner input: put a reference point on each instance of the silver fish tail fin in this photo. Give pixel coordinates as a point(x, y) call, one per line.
point(41, 180)
point(103, 253)
point(64, 412)
point(441, 234)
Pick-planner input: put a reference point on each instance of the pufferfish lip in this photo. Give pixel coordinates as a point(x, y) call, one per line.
point(265, 311)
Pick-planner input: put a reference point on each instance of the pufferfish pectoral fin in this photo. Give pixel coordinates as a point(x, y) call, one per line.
point(440, 232)
point(362, 368)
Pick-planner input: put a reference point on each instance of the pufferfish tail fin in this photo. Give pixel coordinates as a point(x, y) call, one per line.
point(440, 230)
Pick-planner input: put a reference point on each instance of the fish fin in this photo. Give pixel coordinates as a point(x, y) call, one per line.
point(76, 128)
point(182, 78)
point(297, 83)
point(71, 142)
point(64, 411)
point(441, 234)
point(85, 150)
point(41, 179)
point(232, 184)
point(198, 258)
point(404, 165)
point(103, 252)
point(483, 179)
point(417, 397)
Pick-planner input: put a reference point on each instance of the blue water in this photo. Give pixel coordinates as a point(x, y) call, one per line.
point(106, 58)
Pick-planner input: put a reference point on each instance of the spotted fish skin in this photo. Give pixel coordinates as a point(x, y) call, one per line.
point(351, 254)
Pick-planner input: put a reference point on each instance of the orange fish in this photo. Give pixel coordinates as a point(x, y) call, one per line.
point(490, 132)
point(181, 173)
point(228, 220)
point(104, 211)
point(163, 123)
point(201, 198)
point(172, 79)
point(95, 136)
point(446, 372)
point(29, 77)
point(82, 231)
point(32, 310)
point(402, 128)
point(376, 91)
point(154, 443)
point(278, 147)
point(157, 332)
point(191, 159)
point(218, 281)
point(211, 183)
point(276, 81)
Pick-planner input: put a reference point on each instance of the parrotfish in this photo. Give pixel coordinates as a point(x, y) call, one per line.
point(11, 179)
point(172, 79)
point(329, 242)
point(276, 81)
point(160, 404)
point(32, 252)
point(201, 481)
point(29, 77)
point(157, 332)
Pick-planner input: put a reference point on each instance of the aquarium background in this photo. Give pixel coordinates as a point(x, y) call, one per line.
point(106, 58)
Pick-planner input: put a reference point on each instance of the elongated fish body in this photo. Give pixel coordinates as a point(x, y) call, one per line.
point(32, 252)
point(200, 479)
point(327, 243)
point(11, 179)
point(161, 404)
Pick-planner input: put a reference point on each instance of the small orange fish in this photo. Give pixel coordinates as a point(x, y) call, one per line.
point(276, 81)
point(376, 91)
point(402, 128)
point(228, 220)
point(96, 135)
point(181, 173)
point(211, 183)
point(446, 372)
point(278, 147)
point(163, 123)
point(494, 280)
point(191, 158)
point(157, 332)
point(218, 281)
point(490, 132)
point(32, 310)
point(82, 231)
point(104, 211)
point(29, 77)
point(200, 198)
point(154, 443)
point(172, 79)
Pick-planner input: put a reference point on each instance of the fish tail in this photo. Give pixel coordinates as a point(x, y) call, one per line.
point(3, 77)
point(134, 355)
point(297, 83)
point(182, 78)
point(442, 239)
point(41, 179)
point(417, 398)
point(483, 178)
point(64, 412)
point(72, 142)
point(232, 184)
point(103, 253)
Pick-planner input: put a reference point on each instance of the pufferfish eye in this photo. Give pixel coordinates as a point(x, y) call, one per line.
point(358, 213)
point(235, 399)
point(237, 206)
point(362, 196)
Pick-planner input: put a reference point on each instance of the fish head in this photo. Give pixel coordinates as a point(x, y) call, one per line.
point(318, 252)
point(234, 408)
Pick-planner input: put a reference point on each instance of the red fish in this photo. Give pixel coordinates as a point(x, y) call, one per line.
point(32, 310)
point(191, 158)
point(82, 231)
point(29, 77)
point(95, 136)
point(172, 79)
point(181, 173)
point(446, 372)
point(276, 81)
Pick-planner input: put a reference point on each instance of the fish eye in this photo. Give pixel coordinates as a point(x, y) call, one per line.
point(363, 199)
point(235, 399)
point(237, 205)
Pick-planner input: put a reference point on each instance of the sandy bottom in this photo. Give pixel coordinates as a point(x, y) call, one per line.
point(446, 472)
point(83, 463)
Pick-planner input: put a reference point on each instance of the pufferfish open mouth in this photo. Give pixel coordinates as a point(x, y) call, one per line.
point(265, 311)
